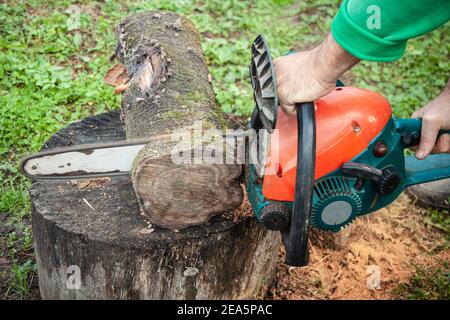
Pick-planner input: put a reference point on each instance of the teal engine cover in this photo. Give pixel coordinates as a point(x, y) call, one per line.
point(340, 197)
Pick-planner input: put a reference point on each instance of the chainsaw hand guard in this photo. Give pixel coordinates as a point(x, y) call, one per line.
point(296, 238)
point(263, 79)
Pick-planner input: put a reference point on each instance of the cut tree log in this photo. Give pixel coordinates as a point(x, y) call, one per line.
point(169, 89)
point(91, 243)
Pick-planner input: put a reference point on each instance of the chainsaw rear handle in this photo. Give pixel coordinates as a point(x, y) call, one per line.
point(434, 167)
point(296, 240)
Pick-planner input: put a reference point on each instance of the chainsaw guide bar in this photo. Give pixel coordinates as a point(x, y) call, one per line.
point(82, 161)
point(91, 160)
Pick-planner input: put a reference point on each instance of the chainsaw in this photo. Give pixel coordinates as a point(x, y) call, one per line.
point(341, 157)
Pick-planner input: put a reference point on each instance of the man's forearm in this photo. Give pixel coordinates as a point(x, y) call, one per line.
point(332, 60)
point(309, 75)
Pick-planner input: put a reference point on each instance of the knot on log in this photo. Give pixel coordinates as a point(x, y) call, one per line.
point(148, 65)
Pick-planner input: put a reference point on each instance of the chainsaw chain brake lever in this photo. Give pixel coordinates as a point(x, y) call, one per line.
point(296, 236)
point(361, 170)
point(385, 180)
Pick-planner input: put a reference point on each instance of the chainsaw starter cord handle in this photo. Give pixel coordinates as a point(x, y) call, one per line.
point(296, 242)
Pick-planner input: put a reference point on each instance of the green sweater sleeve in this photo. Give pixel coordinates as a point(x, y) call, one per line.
point(377, 30)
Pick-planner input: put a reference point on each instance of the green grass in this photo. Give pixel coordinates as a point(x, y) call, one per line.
point(440, 220)
point(52, 64)
point(21, 276)
point(427, 284)
point(414, 80)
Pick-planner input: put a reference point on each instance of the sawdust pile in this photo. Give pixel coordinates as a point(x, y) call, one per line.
point(377, 251)
point(90, 183)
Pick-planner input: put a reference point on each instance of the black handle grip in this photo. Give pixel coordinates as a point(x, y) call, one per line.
point(296, 241)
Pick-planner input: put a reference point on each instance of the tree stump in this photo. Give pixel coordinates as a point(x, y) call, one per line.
point(91, 242)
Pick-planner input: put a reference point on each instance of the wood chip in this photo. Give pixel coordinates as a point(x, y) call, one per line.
point(88, 204)
point(146, 231)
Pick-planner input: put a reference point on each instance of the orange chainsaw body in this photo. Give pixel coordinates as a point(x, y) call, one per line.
point(347, 120)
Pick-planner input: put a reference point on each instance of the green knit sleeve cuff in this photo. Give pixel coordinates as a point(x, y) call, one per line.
point(360, 42)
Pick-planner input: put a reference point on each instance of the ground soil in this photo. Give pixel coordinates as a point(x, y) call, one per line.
point(392, 241)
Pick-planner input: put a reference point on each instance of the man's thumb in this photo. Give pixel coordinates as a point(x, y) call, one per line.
point(289, 109)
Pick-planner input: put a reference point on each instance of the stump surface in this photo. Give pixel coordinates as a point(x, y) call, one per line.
point(95, 225)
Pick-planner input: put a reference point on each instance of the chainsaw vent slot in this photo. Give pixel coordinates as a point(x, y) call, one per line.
point(264, 70)
point(261, 60)
point(332, 186)
point(267, 83)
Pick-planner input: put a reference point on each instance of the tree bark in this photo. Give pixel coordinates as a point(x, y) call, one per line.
point(90, 242)
point(169, 90)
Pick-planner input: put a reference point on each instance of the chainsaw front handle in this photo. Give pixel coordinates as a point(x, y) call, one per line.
point(296, 239)
point(434, 167)
point(411, 129)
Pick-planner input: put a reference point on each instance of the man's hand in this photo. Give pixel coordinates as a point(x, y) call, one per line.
point(435, 116)
point(309, 75)
point(300, 79)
